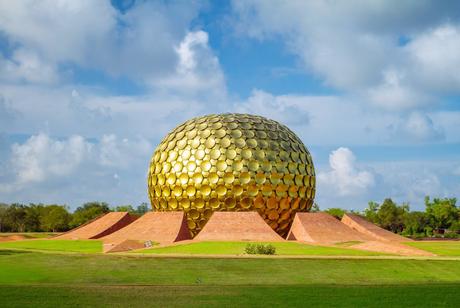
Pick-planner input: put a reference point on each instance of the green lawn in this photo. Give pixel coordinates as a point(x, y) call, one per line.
point(441, 248)
point(83, 246)
point(237, 248)
point(232, 296)
point(54, 280)
point(22, 267)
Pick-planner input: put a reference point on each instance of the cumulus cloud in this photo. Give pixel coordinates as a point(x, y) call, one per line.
point(411, 181)
point(198, 69)
point(436, 56)
point(420, 127)
point(48, 169)
point(386, 52)
point(281, 108)
point(118, 153)
point(95, 35)
point(40, 157)
point(345, 175)
point(27, 66)
point(393, 94)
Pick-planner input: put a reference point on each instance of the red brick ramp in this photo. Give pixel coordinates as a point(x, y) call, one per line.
point(237, 226)
point(360, 224)
point(99, 227)
point(157, 227)
point(322, 228)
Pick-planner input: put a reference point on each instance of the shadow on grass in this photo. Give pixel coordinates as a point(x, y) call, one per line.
point(4, 252)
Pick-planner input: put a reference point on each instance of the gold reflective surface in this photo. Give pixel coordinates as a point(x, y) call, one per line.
point(232, 162)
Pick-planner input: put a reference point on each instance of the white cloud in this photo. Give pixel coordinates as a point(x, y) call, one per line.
point(138, 43)
point(41, 157)
point(398, 56)
point(25, 65)
point(392, 94)
point(420, 127)
point(436, 58)
point(280, 108)
point(197, 71)
point(344, 175)
point(332, 120)
point(411, 181)
point(118, 153)
point(75, 169)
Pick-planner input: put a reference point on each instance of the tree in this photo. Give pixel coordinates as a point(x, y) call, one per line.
point(3, 218)
point(88, 211)
point(441, 213)
point(371, 211)
point(315, 208)
point(32, 217)
point(391, 216)
point(15, 217)
point(142, 208)
point(125, 208)
point(415, 223)
point(55, 218)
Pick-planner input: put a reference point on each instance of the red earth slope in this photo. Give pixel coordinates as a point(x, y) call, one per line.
point(99, 227)
point(158, 227)
point(360, 224)
point(324, 229)
point(237, 226)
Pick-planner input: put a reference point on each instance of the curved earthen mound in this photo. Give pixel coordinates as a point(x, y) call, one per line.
point(157, 227)
point(322, 228)
point(360, 224)
point(237, 226)
point(99, 227)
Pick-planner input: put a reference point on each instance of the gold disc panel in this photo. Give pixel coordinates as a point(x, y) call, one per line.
point(232, 162)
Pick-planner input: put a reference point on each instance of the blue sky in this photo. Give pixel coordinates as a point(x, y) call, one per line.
point(89, 88)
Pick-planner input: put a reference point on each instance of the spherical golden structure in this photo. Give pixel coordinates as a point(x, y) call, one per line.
point(232, 162)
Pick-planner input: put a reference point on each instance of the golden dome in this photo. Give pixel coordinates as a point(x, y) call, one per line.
point(232, 162)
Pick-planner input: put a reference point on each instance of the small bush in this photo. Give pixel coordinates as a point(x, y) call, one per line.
point(260, 249)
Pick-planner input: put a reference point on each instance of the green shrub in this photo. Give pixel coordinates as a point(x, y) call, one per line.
point(260, 249)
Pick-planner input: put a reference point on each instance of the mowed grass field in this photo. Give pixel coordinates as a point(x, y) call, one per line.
point(83, 246)
point(441, 248)
point(53, 280)
point(75, 274)
point(211, 248)
point(237, 248)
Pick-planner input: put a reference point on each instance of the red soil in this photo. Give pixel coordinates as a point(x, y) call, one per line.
point(324, 229)
point(158, 227)
point(362, 225)
point(99, 227)
point(237, 226)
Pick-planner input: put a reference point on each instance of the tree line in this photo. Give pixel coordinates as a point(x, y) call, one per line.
point(18, 217)
point(441, 217)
